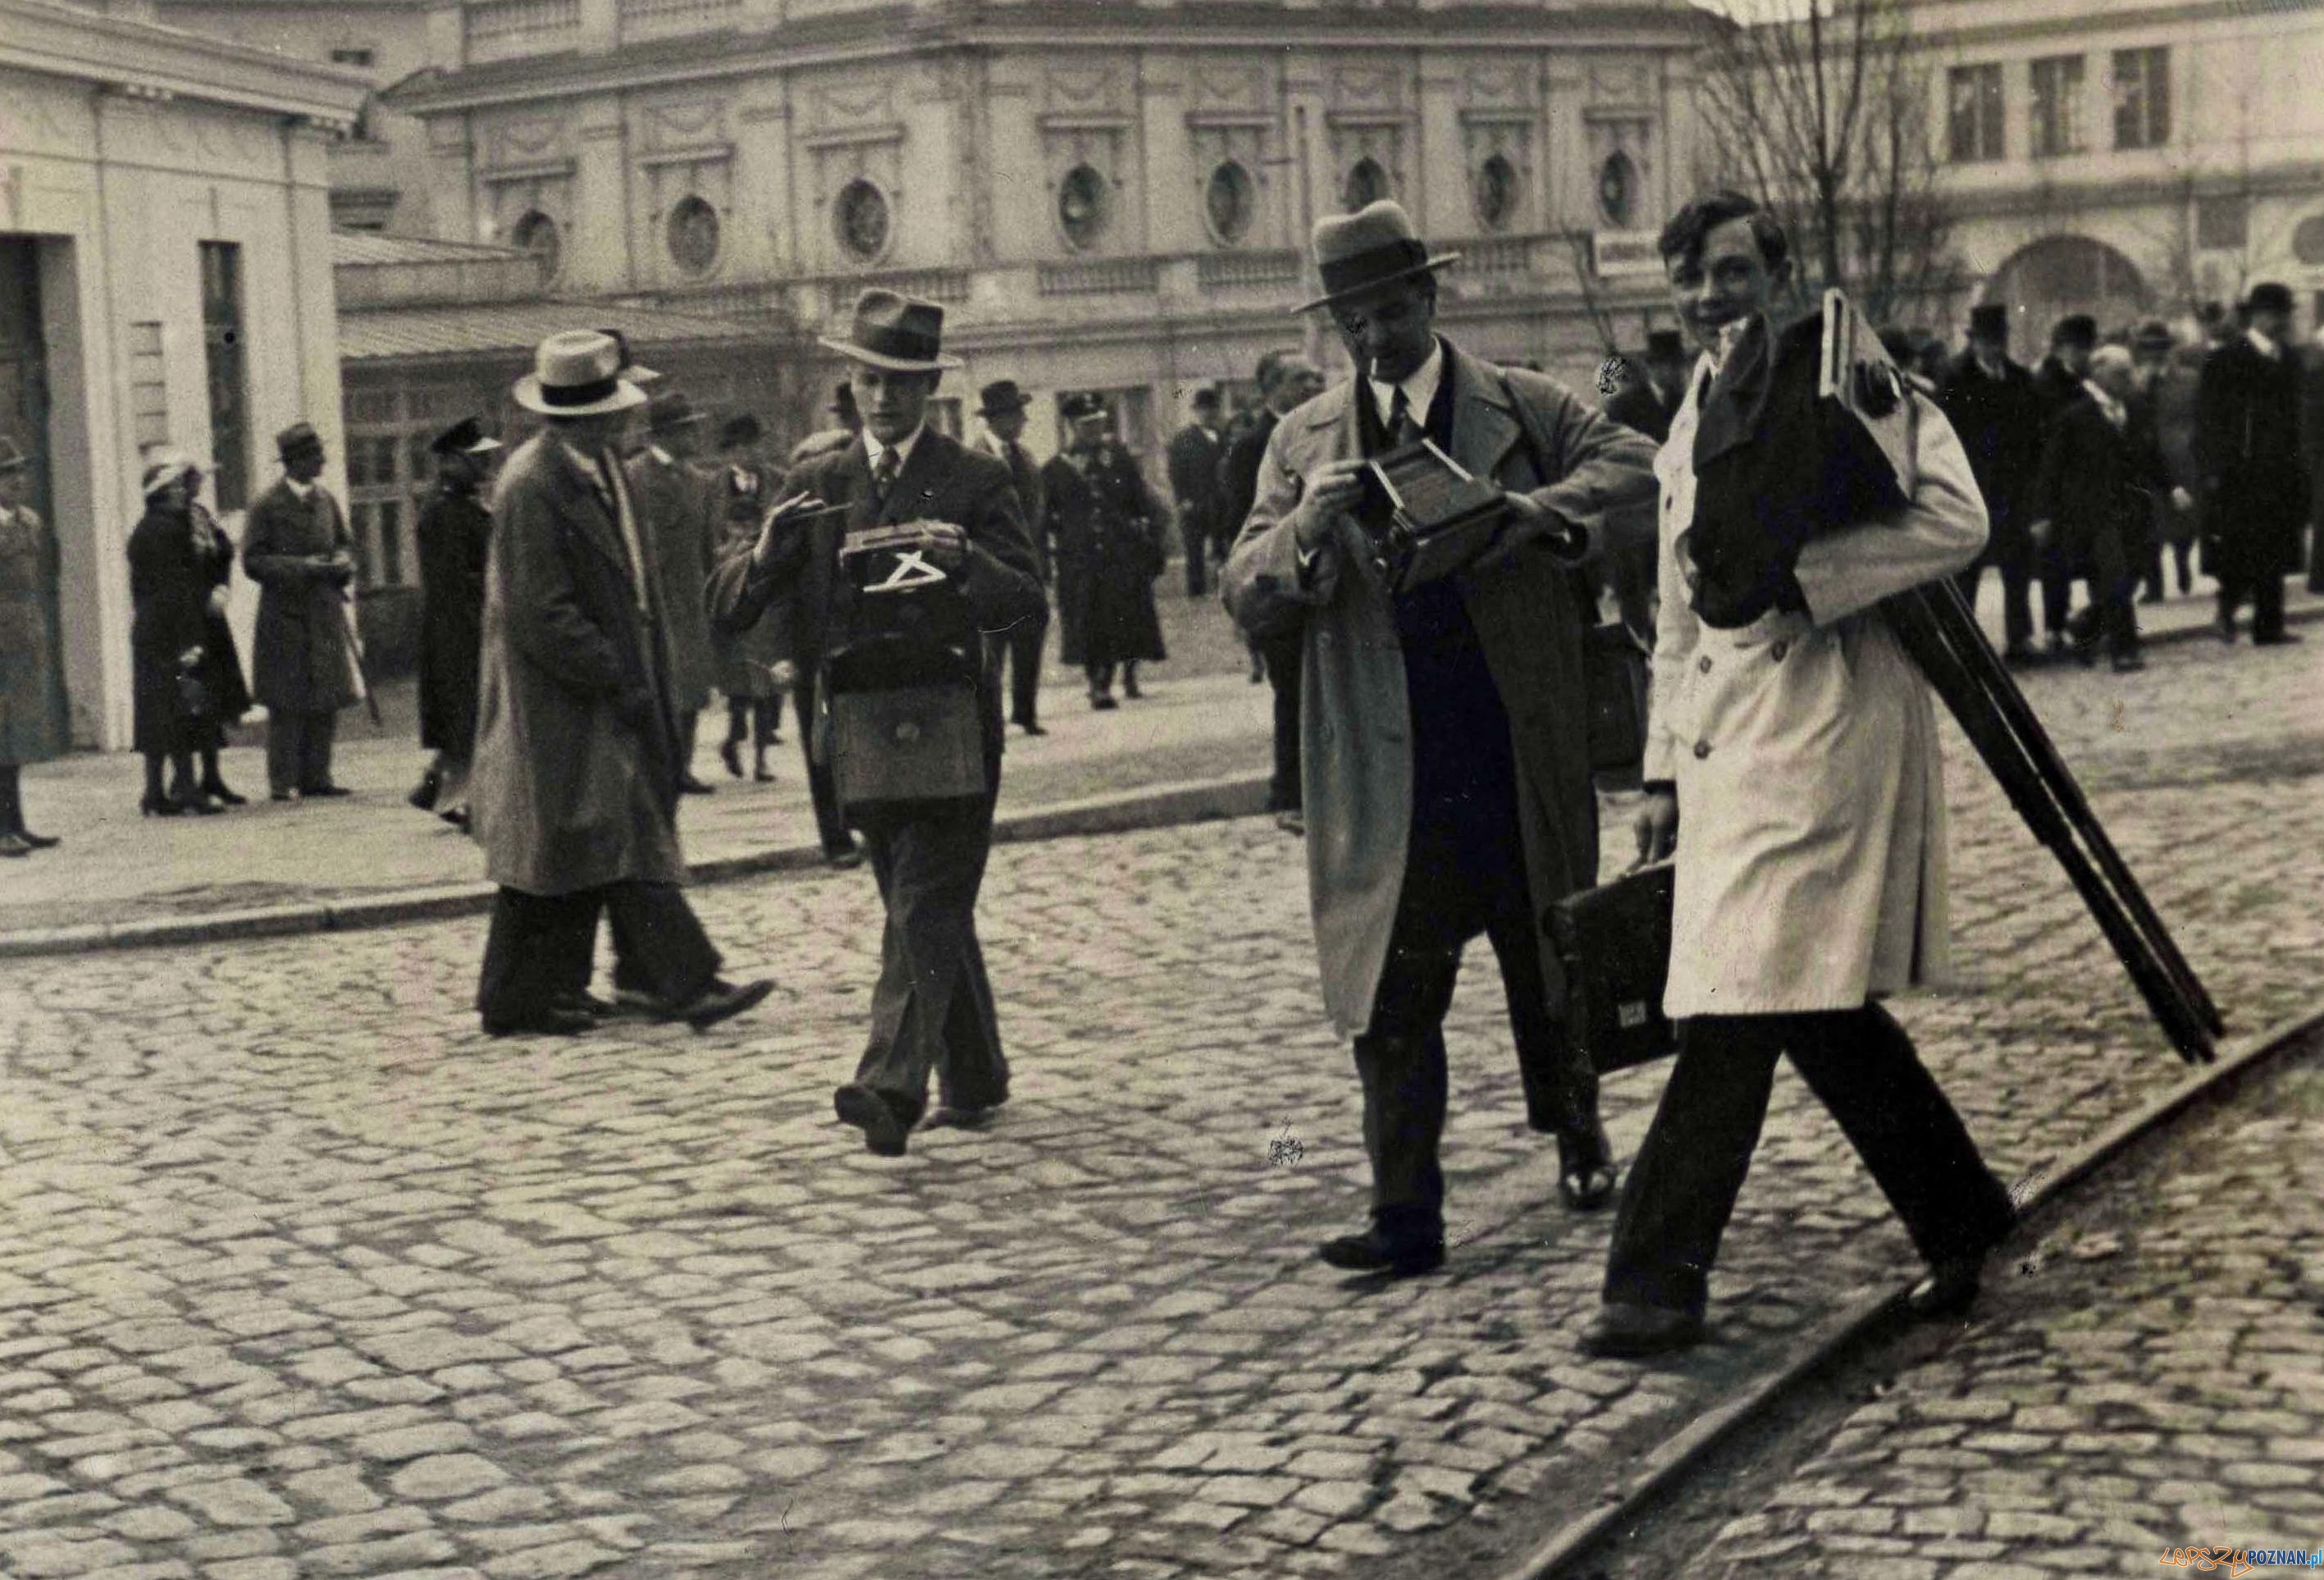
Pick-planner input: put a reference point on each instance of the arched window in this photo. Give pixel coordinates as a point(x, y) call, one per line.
point(2048, 279)
point(536, 233)
point(1367, 183)
point(1498, 195)
point(1230, 200)
point(693, 235)
point(1618, 189)
point(1083, 210)
point(861, 217)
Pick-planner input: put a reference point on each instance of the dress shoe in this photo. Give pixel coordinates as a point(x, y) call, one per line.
point(722, 1001)
point(1950, 1290)
point(2226, 630)
point(282, 795)
point(687, 785)
point(14, 844)
point(730, 752)
point(423, 794)
point(158, 807)
point(39, 841)
point(2129, 664)
point(1102, 702)
point(759, 773)
point(1030, 727)
point(1130, 689)
point(193, 803)
point(1375, 1251)
point(216, 790)
point(553, 1021)
point(589, 1004)
point(1292, 822)
point(884, 1130)
point(1586, 1169)
point(843, 858)
point(324, 791)
point(1624, 1331)
point(962, 1118)
point(2020, 655)
point(2276, 638)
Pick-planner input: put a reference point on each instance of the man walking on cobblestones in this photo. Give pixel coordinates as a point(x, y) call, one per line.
point(1448, 788)
point(1798, 743)
point(2255, 482)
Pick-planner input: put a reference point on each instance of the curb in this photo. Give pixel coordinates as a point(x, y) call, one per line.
point(1672, 1461)
point(1161, 806)
point(2206, 630)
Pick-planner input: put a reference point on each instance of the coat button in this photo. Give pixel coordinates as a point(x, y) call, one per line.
point(1703, 663)
point(1701, 750)
point(1777, 652)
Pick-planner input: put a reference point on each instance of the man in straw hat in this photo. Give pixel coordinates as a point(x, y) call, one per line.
point(932, 1008)
point(678, 504)
point(299, 550)
point(456, 535)
point(1446, 772)
point(1001, 406)
point(575, 788)
point(1991, 402)
point(2255, 476)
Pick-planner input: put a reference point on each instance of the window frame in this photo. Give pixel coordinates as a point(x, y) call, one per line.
point(1983, 111)
point(2141, 80)
point(2054, 110)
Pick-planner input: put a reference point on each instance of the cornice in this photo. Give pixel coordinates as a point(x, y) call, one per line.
point(1964, 25)
point(152, 62)
point(2064, 198)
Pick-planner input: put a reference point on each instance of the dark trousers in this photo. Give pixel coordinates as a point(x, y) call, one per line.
point(1020, 647)
point(1400, 1056)
point(2112, 616)
point(1194, 537)
point(299, 749)
point(829, 827)
point(541, 948)
point(758, 720)
point(932, 1008)
point(1862, 1067)
point(2016, 600)
point(2057, 600)
point(2184, 554)
point(1282, 656)
point(2266, 595)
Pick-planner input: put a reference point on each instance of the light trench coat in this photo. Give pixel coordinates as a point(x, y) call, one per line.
point(1810, 856)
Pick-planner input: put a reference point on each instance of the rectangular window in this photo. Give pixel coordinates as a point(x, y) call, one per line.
point(2141, 98)
point(2057, 107)
point(226, 357)
point(1974, 112)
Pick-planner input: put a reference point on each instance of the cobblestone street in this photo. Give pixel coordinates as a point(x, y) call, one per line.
point(303, 1277)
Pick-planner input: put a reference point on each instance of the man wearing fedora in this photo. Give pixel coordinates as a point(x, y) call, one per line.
point(298, 548)
point(1991, 402)
point(1001, 405)
point(679, 507)
point(1447, 774)
point(456, 536)
point(575, 787)
point(932, 1008)
point(2255, 476)
point(1106, 527)
point(1193, 457)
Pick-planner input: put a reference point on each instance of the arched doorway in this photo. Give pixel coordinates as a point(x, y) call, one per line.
point(2046, 280)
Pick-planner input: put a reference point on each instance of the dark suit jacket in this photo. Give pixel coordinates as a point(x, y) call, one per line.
point(1194, 457)
point(2000, 423)
point(2099, 487)
point(943, 481)
point(2248, 443)
point(1238, 471)
point(456, 539)
point(1032, 498)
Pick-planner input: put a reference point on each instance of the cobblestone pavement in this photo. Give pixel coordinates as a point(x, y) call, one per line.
point(2151, 1380)
point(302, 1277)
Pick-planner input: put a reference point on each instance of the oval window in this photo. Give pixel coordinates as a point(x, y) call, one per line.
point(2307, 240)
point(1082, 205)
point(536, 233)
point(693, 235)
point(1496, 192)
point(1229, 201)
point(1367, 183)
point(861, 215)
point(1618, 188)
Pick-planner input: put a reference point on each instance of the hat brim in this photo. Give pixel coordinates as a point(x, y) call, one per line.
point(1003, 410)
point(482, 447)
point(855, 353)
point(1431, 265)
point(626, 397)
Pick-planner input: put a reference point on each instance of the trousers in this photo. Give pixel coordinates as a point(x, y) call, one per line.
point(1862, 1067)
point(932, 1009)
point(1020, 647)
point(299, 749)
point(829, 827)
point(1283, 657)
point(541, 949)
point(2266, 595)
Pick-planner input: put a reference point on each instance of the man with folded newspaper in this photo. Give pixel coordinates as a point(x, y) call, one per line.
point(1792, 757)
point(1444, 758)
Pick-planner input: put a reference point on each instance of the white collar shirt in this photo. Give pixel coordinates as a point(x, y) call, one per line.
point(2266, 346)
point(873, 449)
point(301, 492)
point(1419, 387)
point(2115, 410)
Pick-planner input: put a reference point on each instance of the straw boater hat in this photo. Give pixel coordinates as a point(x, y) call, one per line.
point(577, 373)
point(895, 332)
point(1372, 247)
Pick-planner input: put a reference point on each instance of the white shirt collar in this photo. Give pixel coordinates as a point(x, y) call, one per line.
point(2116, 412)
point(1419, 388)
point(873, 449)
point(662, 456)
point(299, 490)
point(2266, 346)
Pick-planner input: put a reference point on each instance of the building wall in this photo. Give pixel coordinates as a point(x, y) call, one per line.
point(118, 190)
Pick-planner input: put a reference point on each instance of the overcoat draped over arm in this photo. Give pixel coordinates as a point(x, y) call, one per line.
point(1355, 724)
point(1810, 858)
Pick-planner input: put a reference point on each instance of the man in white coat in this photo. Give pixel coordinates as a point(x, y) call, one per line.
point(1793, 760)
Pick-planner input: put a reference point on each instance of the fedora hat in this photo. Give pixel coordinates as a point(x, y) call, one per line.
point(2269, 297)
point(11, 459)
point(298, 439)
point(669, 410)
point(899, 333)
point(464, 437)
point(999, 396)
point(1359, 252)
point(1989, 320)
point(577, 373)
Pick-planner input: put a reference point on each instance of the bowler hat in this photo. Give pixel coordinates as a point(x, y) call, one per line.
point(1989, 320)
point(1665, 346)
point(577, 373)
point(298, 439)
point(669, 410)
point(741, 429)
point(899, 333)
point(2269, 297)
point(1374, 247)
point(11, 459)
point(464, 437)
point(1001, 397)
point(2075, 329)
point(2152, 336)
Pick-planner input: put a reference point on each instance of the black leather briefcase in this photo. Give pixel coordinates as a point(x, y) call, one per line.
point(1615, 942)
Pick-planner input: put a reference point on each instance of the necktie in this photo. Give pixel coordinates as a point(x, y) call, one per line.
point(1401, 429)
point(883, 477)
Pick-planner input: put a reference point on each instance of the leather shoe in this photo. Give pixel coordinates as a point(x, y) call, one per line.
point(1030, 728)
point(14, 844)
point(2276, 638)
point(589, 1004)
point(39, 841)
point(861, 1106)
point(687, 785)
point(324, 791)
point(1586, 1169)
point(723, 1000)
point(1625, 1331)
point(554, 1021)
point(961, 1118)
point(423, 794)
point(1950, 1290)
point(1375, 1251)
point(844, 858)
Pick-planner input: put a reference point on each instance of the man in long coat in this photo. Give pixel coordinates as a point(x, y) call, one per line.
point(1447, 774)
point(2255, 481)
point(575, 788)
point(932, 1011)
point(754, 666)
point(2057, 385)
point(1794, 760)
point(1193, 466)
point(1998, 417)
point(298, 550)
point(1001, 406)
point(1105, 527)
point(679, 507)
point(456, 538)
point(33, 726)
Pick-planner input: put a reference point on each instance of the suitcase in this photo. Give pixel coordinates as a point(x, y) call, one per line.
point(1615, 942)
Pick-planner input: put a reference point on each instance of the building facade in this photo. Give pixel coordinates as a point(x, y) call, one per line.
point(165, 278)
point(1108, 197)
point(2135, 159)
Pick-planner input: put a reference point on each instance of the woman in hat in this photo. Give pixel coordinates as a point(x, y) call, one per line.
point(221, 659)
point(173, 584)
point(31, 702)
